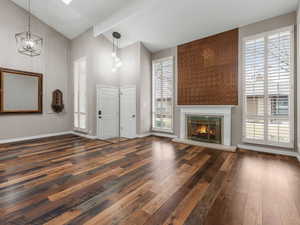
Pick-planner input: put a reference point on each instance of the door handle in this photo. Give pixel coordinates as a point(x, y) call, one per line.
point(133, 116)
point(100, 117)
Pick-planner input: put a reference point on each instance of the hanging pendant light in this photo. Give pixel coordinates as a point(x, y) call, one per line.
point(117, 63)
point(28, 43)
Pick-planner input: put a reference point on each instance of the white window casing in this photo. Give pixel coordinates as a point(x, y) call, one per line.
point(80, 95)
point(163, 94)
point(268, 88)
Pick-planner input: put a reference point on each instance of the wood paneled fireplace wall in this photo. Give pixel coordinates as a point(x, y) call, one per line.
point(208, 70)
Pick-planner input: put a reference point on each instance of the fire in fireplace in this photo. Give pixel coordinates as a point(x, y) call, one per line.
point(204, 128)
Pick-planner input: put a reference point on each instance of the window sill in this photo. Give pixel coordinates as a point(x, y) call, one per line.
point(287, 146)
point(163, 131)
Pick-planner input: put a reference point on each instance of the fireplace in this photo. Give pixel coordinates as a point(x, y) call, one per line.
point(204, 128)
point(216, 132)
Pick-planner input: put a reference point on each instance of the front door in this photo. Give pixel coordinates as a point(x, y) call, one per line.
point(107, 112)
point(128, 112)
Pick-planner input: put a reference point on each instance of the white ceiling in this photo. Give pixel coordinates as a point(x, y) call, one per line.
point(75, 18)
point(158, 24)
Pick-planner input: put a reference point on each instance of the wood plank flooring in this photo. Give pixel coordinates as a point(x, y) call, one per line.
point(147, 181)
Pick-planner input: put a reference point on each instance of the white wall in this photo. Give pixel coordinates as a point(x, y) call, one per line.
point(53, 63)
point(145, 90)
point(135, 71)
point(263, 26)
point(99, 69)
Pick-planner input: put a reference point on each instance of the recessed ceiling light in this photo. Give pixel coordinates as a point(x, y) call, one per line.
point(67, 1)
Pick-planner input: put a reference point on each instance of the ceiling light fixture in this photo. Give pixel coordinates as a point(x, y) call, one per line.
point(28, 43)
point(67, 2)
point(117, 63)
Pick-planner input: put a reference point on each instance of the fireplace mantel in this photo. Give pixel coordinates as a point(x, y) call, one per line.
point(209, 110)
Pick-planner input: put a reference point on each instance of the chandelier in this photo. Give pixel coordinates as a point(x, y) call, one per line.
point(28, 43)
point(117, 63)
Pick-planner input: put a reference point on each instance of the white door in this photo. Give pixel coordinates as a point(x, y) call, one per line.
point(128, 112)
point(107, 112)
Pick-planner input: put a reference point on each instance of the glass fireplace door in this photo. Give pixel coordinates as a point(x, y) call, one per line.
point(204, 128)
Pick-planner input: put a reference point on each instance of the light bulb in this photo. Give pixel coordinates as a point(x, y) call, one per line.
point(118, 59)
point(29, 44)
point(114, 54)
point(119, 64)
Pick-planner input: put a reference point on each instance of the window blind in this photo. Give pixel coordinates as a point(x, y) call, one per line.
point(268, 90)
point(80, 107)
point(162, 95)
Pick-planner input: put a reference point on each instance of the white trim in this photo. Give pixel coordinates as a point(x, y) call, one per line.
point(164, 135)
point(156, 134)
point(267, 150)
point(163, 59)
point(105, 86)
point(167, 131)
point(143, 135)
point(206, 106)
point(298, 157)
point(76, 71)
point(282, 29)
point(83, 135)
point(128, 86)
point(174, 90)
point(266, 117)
point(206, 145)
point(10, 140)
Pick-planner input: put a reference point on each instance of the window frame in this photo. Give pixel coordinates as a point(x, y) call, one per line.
point(153, 97)
point(266, 117)
point(75, 70)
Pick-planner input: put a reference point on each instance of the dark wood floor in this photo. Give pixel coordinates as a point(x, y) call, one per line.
point(147, 181)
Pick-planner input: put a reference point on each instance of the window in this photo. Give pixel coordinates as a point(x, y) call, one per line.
point(162, 95)
point(80, 107)
point(268, 88)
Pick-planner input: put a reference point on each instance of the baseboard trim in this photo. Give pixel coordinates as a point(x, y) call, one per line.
point(206, 145)
point(163, 135)
point(143, 135)
point(156, 134)
point(84, 135)
point(268, 150)
point(10, 140)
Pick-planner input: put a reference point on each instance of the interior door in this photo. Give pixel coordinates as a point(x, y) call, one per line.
point(128, 112)
point(107, 112)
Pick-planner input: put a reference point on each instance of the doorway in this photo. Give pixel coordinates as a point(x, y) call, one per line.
point(107, 112)
point(128, 112)
point(116, 112)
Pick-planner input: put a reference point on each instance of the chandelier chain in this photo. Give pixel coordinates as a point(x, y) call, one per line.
point(29, 16)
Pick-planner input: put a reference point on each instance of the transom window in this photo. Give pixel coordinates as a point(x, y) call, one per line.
point(268, 73)
point(162, 95)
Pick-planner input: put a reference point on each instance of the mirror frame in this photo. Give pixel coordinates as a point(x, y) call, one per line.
point(23, 73)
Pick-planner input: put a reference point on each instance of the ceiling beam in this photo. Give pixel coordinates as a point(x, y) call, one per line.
point(122, 15)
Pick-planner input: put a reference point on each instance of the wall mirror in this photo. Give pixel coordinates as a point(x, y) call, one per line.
point(20, 91)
